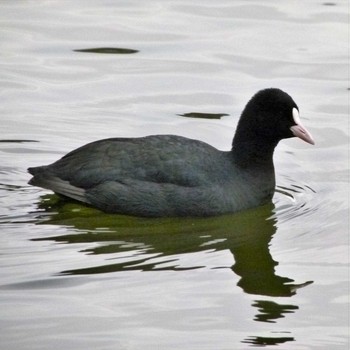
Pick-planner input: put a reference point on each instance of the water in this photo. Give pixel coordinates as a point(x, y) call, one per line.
point(72, 277)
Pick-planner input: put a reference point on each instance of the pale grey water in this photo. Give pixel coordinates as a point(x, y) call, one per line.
point(77, 279)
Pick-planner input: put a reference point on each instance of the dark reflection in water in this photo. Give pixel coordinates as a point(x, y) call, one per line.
point(265, 341)
point(109, 50)
point(17, 141)
point(204, 115)
point(270, 311)
point(152, 244)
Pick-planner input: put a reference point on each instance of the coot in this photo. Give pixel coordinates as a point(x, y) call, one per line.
point(168, 175)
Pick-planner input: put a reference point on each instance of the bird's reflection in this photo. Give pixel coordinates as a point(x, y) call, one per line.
point(266, 341)
point(269, 311)
point(247, 235)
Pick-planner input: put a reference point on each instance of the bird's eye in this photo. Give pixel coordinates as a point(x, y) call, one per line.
point(296, 116)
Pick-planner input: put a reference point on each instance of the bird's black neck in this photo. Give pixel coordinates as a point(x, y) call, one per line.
point(253, 153)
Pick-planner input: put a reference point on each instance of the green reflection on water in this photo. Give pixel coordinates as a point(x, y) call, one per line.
point(246, 235)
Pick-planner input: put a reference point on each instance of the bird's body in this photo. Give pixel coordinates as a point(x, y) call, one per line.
point(168, 175)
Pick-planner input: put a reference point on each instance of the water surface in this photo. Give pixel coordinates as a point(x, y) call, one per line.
point(73, 277)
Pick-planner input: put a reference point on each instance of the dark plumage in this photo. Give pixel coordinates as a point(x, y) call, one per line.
point(167, 175)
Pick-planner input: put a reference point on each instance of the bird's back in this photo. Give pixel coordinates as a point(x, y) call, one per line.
point(160, 175)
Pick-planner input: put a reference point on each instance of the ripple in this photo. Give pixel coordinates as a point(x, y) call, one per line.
point(17, 141)
point(293, 201)
point(203, 115)
point(109, 50)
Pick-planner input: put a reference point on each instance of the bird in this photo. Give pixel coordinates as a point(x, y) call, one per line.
point(175, 176)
